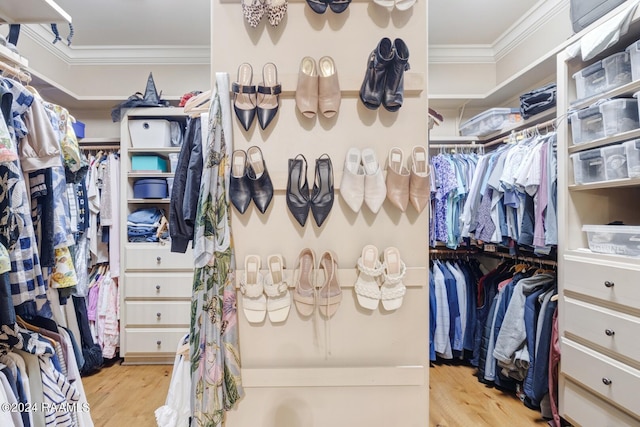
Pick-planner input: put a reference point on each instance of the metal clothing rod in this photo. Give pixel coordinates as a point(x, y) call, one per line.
point(472, 144)
point(92, 147)
point(507, 138)
point(525, 259)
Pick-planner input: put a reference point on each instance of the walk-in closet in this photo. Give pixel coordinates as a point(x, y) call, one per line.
point(288, 213)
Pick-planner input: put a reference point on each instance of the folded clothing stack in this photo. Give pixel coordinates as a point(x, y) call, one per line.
point(142, 225)
point(538, 100)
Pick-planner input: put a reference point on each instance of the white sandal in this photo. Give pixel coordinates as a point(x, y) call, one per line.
point(254, 302)
point(367, 287)
point(393, 290)
point(277, 290)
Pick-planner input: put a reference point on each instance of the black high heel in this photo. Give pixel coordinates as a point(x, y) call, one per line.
point(322, 195)
point(239, 184)
point(268, 99)
point(244, 96)
point(259, 179)
point(298, 189)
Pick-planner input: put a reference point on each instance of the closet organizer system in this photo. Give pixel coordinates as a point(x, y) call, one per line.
point(49, 338)
point(489, 210)
point(360, 366)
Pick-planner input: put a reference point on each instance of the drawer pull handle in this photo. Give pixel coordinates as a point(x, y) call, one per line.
point(609, 332)
point(159, 315)
point(160, 343)
point(606, 381)
point(159, 260)
point(608, 284)
point(158, 288)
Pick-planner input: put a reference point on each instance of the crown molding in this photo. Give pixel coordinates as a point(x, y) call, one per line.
point(461, 54)
point(535, 18)
point(119, 55)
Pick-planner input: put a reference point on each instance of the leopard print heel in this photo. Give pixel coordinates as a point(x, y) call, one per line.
point(253, 10)
point(276, 10)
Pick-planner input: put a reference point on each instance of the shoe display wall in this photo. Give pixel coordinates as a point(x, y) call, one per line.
point(326, 153)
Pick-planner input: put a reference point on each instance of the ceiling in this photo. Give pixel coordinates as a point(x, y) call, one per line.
point(168, 23)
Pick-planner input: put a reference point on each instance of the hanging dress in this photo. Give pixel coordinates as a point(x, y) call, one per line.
point(215, 358)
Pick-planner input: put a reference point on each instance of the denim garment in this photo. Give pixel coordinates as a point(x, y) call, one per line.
point(433, 307)
point(531, 312)
point(145, 216)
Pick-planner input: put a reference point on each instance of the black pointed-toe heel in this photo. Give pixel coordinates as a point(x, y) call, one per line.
point(298, 189)
point(259, 179)
point(239, 185)
point(268, 95)
point(244, 96)
point(322, 195)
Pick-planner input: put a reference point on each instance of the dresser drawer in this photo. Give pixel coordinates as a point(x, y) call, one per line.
point(161, 313)
point(158, 285)
point(585, 409)
point(150, 258)
point(617, 332)
point(618, 283)
point(610, 379)
point(150, 341)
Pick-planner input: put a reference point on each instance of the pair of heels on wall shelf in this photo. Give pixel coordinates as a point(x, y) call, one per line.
point(250, 180)
point(307, 293)
point(380, 282)
point(265, 293)
point(318, 87)
point(318, 200)
point(262, 100)
point(254, 10)
point(336, 6)
point(383, 82)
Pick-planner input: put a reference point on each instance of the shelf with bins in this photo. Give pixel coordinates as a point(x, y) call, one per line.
point(625, 91)
point(602, 142)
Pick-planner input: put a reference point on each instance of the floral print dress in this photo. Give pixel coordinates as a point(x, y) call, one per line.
point(215, 358)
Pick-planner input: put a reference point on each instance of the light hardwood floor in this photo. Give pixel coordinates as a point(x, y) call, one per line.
point(129, 395)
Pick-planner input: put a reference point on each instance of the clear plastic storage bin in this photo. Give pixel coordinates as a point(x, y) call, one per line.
point(632, 149)
point(590, 81)
point(620, 115)
point(586, 125)
point(634, 59)
point(617, 69)
point(613, 239)
point(588, 166)
point(615, 162)
point(490, 121)
point(150, 133)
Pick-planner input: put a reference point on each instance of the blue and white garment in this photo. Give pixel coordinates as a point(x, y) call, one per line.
point(58, 393)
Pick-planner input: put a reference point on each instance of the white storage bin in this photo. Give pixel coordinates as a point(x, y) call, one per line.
point(173, 159)
point(613, 239)
point(620, 115)
point(588, 166)
point(634, 59)
point(617, 69)
point(590, 81)
point(632, 149)
point(586, 125)
point(490, 121)
point(615, 162)
point(150, 133)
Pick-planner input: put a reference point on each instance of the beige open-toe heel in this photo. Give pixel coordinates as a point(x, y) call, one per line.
point(330, 294)
point(304, 293)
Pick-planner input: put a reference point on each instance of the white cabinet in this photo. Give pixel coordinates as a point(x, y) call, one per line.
point(599, 316)
point(155, 282)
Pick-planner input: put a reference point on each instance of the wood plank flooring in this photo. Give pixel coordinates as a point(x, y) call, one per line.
point(129, 395)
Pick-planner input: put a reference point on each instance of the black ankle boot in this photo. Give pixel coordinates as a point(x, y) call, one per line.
point(394, 85)
point(322, 195)
point(298, 189)
point(372, 89)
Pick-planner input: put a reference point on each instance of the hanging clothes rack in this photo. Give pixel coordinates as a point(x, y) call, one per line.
point(14, 72)
point(523, 132)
